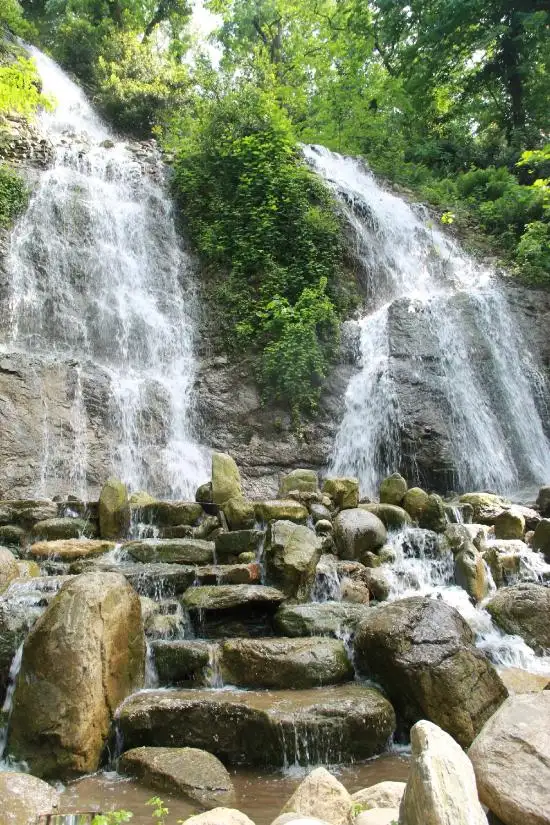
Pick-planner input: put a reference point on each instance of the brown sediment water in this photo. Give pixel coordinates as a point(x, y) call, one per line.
point(260, 795)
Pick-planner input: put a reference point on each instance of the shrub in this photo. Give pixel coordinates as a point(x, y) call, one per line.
point(533, 253)
point(13, 196)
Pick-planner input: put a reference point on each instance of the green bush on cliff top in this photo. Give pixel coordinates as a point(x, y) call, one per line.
point(257, 213)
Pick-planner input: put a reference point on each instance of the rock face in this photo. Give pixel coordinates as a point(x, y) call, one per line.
point(356, 532)
point(524, 609)
point(285, 663)
point(82, 658)
point(190, 772)
point(263, 728)
point(511, 759)
point(441, 789)
point(291, 559)
point(421, 651)
point(23, 798)
point(320, 794)
point(114, 510)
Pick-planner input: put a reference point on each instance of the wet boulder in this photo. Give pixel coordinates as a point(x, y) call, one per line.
point(171, 551)
point(421, 651)
point(182, 661)
point(344, 492)
point(415, 502)
point(356, 532)
point(392, 516)
point(511, 759)
point(114, 510)
point(470, 573)
point(336, 619)
point(235, 542)
point(393, 489)
point(12, 536)
point(62, 528)
point(24, 798)
point(510, 524)
point(524, 610)
point(285, 663)
point(386, 794)
point(543, 501)
point(263, 728)
point(25, 513)
point(81, 659)
point(220, 816)
point(441, 789)
point(188, 772)
point(433, 516)
point(487, 507)
point(239, 513)
point(226, 479)
point(170, 514)
point(69, 550)
point(281, 510)
point(291, 559)
point(232, 609)
point(541, 538)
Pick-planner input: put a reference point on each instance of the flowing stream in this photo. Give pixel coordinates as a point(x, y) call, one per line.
point(99, 282)
point(487, 389)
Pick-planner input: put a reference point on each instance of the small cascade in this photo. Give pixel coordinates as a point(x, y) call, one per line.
point(421, 566)
point(100, 307)
point(327, 581)
point(8, 701)
point(438, 321)
point(213, 677)
point(151, 679)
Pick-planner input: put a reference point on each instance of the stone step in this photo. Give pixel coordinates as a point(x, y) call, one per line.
point(337, 619)
point(253, 663)
point(171, 551)
point(263, 728)
point(68, 550)
point(231, 610)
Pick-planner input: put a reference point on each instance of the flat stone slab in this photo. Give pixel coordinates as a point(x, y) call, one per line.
point(156, 580)
point(284, 663)
point(171, 551)
point(338, 619)
point(70, 549)
point(182, 661)
point(229, 574)
point(231, 596)
point(322, 725)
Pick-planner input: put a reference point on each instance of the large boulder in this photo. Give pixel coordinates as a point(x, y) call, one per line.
point(543, 501)
point(415, 502)
point(24, 798)
point(281, 510)
point(291, 559)
point(336, 619)
point(239, 513)
point(386, 794)
point(226, 479)
point(541, 538)
point(433, 515)
point(320, 794)
point(81, 659)
point(511, 759)
point(356, 532)
point(171, 551)
point(441, 789)
point(8, 568)
point(344, 492)
point(190, 772)
point(524, 610)
point(335, 724)
point(170, 514)
point(305, 481)
point(470, 573)
point(421, 651)
point(486, 506)
point(182, 661)
point(285, 663)
point(510, 524)
point(232, 609)
point(392, 516)
point(114, 510)
point(393, 489)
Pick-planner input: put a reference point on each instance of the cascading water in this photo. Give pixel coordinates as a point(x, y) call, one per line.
point(99, 283)
point(485, 383)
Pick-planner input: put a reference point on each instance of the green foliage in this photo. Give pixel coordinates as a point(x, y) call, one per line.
point(12, 19)
point(533, 252)
point(255, 210)
point(19, 88)
point(159, 809)
point(112, 818)
point(13, 195)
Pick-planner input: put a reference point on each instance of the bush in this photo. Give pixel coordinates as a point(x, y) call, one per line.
point(13, 196)
point(19, 87)
point(533, 253)
point(254, 209)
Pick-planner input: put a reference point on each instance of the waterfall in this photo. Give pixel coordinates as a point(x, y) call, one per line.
point(99, 283)
point(460, 339)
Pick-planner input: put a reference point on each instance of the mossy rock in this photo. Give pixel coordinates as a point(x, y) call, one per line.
point(239, 513)
point(509, 525)
point(344, 492)
point(11, 535)
point(392, 516)
point(281, 510)
point(393, 489)
point(226, 479)
point(62, 528)
point(302, 480)
point(114, 510)
point(415, 502)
